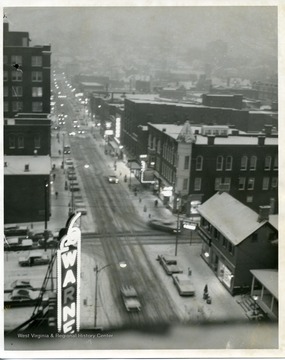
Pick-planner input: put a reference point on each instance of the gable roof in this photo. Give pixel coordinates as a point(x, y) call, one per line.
point(230, 217)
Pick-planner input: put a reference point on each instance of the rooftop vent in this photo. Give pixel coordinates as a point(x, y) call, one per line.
point(264, 212)
point(27, 167)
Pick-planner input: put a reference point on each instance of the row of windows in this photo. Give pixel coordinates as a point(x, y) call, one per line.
point(18, 59)
point(17, 91)
point(17, 141)
point(37, 106)
point(167, 173)
point(243, 183)
point(36, 76)
point(246, 163)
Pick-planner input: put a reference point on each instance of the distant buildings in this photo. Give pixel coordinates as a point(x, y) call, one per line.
point(27, 162)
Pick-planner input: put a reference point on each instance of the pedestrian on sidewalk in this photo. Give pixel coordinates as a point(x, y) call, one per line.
point(56, 194)
point(53, 176)
point(59, 152)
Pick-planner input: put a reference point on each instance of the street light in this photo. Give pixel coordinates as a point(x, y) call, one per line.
point(122, 264)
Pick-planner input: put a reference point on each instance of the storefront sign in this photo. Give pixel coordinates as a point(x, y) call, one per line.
point(118, 128)
point(68, 279)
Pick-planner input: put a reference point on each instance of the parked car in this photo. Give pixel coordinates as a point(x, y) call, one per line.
point(130, 298)
point(16, 230)
point(35, 257)
point(164, 225)
point(69, 161)
point(23, 297)
point(72, 176)
point(169, 264)
point(21, 284)
point(183, 284)
point(113, 179)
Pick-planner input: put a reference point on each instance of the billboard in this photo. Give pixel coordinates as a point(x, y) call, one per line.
point(68, 278)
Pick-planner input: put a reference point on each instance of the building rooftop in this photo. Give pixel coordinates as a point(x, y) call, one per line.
point(230, 217)
point(273, 220)
point(38, 165)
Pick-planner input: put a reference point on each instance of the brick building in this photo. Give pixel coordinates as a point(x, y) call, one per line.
point(26, 83)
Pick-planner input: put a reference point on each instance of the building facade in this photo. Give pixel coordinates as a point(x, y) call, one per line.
point(236, 240)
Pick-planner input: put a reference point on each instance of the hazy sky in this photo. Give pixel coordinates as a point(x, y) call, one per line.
point(78, 27)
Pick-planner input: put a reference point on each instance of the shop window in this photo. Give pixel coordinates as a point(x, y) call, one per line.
point(20, 142)
point(267, 165)
point(265, 183)
point(219, 163)
point(243, 164)
point(197, 184)
point(229, 163)
point(252, 164)
point(199, 163)
point(241, 183)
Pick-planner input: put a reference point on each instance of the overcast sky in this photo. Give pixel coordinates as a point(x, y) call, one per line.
point(251, 26)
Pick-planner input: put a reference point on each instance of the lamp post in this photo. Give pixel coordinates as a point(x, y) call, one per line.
point(97, 270)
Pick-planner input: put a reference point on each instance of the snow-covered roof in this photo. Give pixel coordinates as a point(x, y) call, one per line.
point(38, 165)
point(269, 278)
point(230, 217)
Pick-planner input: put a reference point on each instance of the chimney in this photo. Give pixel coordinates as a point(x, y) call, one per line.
point(261, 140)
point(267, 130)
point(264, 212)
point(211, 140)
point(27, 167)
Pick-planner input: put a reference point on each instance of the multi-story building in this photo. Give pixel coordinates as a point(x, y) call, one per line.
point(195, 161)
point(237, 240)
point(27, 123)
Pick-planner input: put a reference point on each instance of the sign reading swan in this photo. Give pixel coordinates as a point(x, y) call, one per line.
point(68, 279)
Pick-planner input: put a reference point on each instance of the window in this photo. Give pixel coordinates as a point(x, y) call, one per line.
point(218, 182)
point(17, 91)
point(37, 106)
point(228, 181)
point(219, 163)
point(17, 106)
point(199, 163)
point(37, 142)
point(185, 184)
point(6, 106)
point(252, 164)
point(197, 184)
point(275, 163)
point(224, 242)
point(250, 184)
point(267, 165)
point(37, 91)
point(265, 183)
point(21, 142)
point(241, 183)
point(274, 182)
point(249, 199)
point(186, 162)
point(6, 91)
point(5, 75)
point(12, 142)
point(37, 61)
point(16, 59)
point(17, 76)
point(243, 164)
point(37, 76)
point(229, 163)
point(230, 248)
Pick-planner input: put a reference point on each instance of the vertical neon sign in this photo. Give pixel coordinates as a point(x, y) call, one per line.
point(68, 279)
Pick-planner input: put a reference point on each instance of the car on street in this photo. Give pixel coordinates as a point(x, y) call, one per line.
point(21, 284)
point(16, 230)
point(113, 179)
point(33, 258)
point(72, 133)
point(81, 132)
point(23, 297)
point(169, 264)
point(164, 225)
point(69, 161)
point(66, 149)
point(130, 298)
point(183, 284)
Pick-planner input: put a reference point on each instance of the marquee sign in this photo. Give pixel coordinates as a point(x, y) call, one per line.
point(68, 279)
